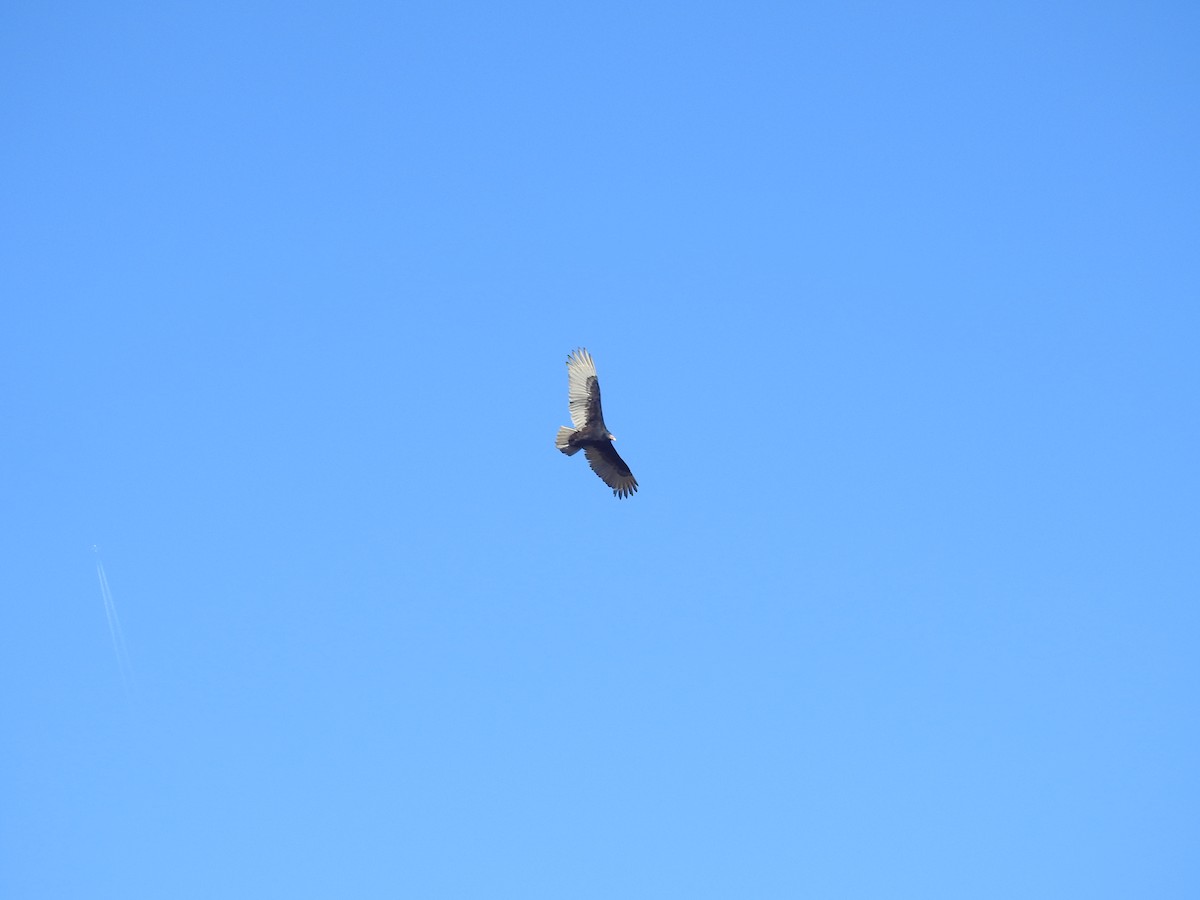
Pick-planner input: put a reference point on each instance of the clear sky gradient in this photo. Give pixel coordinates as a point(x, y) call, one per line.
point(896, 311)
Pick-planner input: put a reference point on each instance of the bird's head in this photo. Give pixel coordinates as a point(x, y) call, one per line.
point(610, 435)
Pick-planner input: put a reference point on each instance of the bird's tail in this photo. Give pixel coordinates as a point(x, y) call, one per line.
point(563, 441)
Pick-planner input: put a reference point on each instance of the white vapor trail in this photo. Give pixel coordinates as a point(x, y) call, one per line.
point(114, 629)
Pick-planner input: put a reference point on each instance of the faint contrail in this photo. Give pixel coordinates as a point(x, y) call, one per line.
point(114, 629)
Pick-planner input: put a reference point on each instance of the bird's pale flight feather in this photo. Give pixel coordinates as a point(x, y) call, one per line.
point(580, 368)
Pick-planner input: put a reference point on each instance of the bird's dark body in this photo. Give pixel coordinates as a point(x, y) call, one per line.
point(605, 448)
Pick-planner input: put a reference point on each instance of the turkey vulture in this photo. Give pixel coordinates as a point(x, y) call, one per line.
point(590, 433)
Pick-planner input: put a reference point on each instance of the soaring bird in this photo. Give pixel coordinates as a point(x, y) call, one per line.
point(590, 433)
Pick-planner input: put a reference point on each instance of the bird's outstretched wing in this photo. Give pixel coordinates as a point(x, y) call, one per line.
point(607, 463)
point(583, 389)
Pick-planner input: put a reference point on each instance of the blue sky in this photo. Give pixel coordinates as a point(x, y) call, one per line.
point(895, 307)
